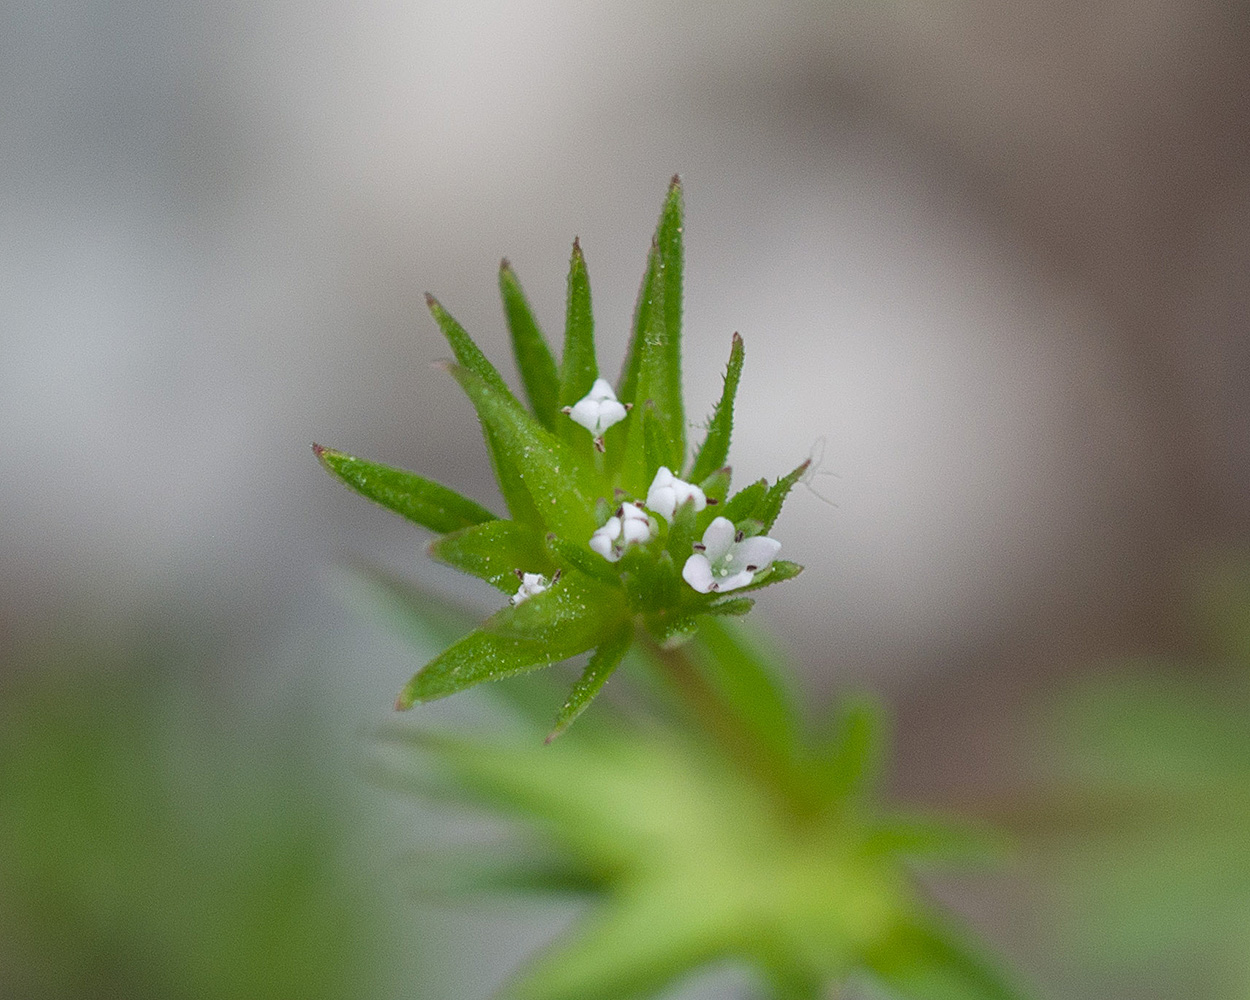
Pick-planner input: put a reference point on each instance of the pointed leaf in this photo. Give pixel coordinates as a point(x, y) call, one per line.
point(562, 492)
point(479, 656)
point(420, 500)
point(470, 357)
point(715, 448)
point(630, 950)
point(852, 758)
point(659, 370)
point(748, 681)
point(468, 354)
point(779, 572)
point(743, 504)
point(452, 874)
point(770, 506)
point(534, 360)
point(580, 557)
point(922, 962)
point(495, 551)
point(570, 617)
point(604, 661)
point(578, 369)
point(734, 607)
point(668, 239)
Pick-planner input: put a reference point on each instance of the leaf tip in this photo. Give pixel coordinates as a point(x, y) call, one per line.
point(737, 339)
point(675, 183)
point(403, 701)
point(319, 449)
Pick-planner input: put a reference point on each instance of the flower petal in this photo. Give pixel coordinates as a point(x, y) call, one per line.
point(759, 552)
point(718, 539)
point(739, 579)
point(698, 573)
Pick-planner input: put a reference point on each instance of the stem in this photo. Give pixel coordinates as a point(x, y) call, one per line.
point(726, 726)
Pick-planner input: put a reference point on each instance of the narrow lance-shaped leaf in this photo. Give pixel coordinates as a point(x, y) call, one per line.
point(534, 360)
point(661, 290)
point(744, 503)
point(604, 661)
point(479, 656)
point(420, 500)
point(925, 961)
point(715, 448)
point(654, 389)
point(560, 489)
point(766, 513)
point(495, 552)
point(578, 368)
point(470, 357)
point(570, 617)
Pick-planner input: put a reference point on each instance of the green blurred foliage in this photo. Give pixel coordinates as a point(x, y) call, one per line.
point(1145, 832)
point(707, 825)
point(149, 849)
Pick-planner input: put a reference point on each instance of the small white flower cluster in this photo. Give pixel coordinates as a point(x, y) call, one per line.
point(725, 560)
point(598, 410)
point(532, 584)
point(628, 525)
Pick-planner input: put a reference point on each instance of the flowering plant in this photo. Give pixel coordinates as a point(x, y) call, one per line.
point(604, 543)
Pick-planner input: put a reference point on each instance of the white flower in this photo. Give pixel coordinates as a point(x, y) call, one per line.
point(598, 410)
point(667, 493)
point(629, 524)
point(531, 584)
point(726, 559)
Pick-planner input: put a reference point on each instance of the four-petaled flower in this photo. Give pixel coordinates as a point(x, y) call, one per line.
point(726, 559)
point(667, 493)
point(598, 410)
point(531, 585)
point(629, 524)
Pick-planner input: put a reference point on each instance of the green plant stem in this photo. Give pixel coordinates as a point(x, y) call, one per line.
point(724, 726)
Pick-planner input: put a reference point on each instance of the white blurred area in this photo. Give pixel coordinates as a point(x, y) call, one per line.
point(991, 260)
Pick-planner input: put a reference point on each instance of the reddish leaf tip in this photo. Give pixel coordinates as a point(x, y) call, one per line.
point(431, 302)
point(675, 182)
point(737, 338)
point(504, 264)
point(319, 449)
point(399, 703)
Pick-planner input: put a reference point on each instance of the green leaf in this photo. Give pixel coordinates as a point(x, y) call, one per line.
point(570, 617)
point(851, 760)
point(579, 369)
point(923, 962)
point(770, 506)
point(494, 552)
point(734, 607)
point(656, 450)
point(652, 369)
point(668, 239)
point(468, 354)
point(470, 358)
point(560, 488)
point(533, 357)
point(480, 656)
point(451, 875)
point(744, 503)
point(938, 842)
point(601, 666)
point(579, 556)
point(715, 448)
point(420, 500)
point(779, 572)
point(749, 682)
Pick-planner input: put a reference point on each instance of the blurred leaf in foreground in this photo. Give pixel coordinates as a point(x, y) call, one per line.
point(736, 839)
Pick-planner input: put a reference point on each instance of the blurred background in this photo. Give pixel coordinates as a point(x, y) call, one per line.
point(991, 264)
